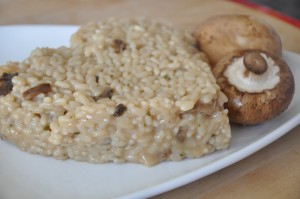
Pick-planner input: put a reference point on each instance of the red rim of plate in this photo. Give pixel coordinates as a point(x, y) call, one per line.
point(269, 11)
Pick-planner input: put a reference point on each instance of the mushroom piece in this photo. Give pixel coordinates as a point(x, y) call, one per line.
point(220, 35)
point(35, 91)
point(259, 85)
point(6, 84)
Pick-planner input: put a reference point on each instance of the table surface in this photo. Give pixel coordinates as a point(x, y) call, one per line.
point(273, 172)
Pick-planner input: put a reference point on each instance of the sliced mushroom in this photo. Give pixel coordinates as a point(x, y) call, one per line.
point(207, 109)
point(120, 109)
point(255, 92)
point(164, 154)
point(107, 93)
point(119, 45)
point(181, 135)
point(5, 83)
point(34, 91)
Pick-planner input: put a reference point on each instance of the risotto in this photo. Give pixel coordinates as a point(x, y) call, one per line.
point(124, 91)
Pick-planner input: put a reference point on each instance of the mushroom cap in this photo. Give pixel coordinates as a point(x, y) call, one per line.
point(219, 35)
point(248, 108)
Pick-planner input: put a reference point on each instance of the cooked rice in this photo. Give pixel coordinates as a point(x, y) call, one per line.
point(125, 91)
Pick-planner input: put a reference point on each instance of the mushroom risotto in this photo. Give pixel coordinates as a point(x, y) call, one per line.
point(124, 91)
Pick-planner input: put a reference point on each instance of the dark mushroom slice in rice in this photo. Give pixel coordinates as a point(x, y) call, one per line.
point(6, 84)
point(31, 93)
point(207, 109)
point(259, 85)
point(107, 93)
point(119, 45)
point(120, 109)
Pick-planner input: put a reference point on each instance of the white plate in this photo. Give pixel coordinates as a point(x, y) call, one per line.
point(34, 177)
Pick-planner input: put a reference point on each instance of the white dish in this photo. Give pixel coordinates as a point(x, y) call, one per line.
point(34, 177)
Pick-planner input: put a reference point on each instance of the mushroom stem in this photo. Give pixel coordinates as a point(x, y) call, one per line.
point(255, 63)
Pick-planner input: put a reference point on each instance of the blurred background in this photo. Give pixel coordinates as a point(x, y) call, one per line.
point(288, 7)
point(283, 15)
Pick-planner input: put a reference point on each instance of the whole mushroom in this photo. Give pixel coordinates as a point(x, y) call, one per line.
point(222, 34)
point(259, 85)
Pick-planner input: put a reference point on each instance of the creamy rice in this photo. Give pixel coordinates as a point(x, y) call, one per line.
point(124, 91)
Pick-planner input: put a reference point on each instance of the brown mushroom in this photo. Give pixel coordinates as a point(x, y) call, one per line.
point(120, 109)
point(119, 45)
point(31, 93)
point(254, 97)
point(6, 84)
point(223, 34)
point(107, 93)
